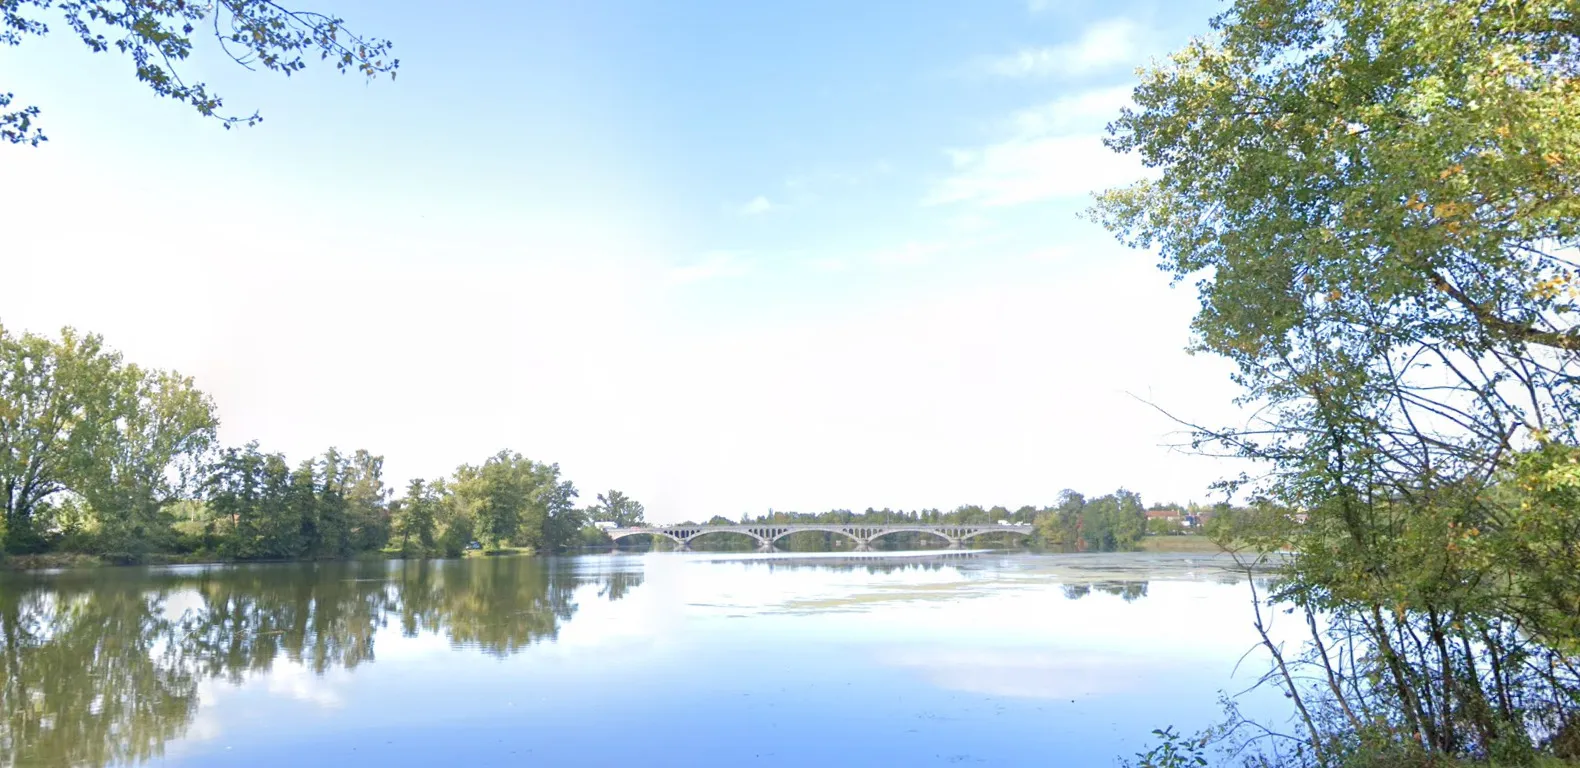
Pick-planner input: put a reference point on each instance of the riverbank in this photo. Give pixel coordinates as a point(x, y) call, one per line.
point(52, 561)
point(1188, 543)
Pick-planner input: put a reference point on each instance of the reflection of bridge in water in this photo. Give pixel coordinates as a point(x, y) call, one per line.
point(864, 535)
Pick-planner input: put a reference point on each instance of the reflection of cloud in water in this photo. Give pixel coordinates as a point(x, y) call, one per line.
point(284, 679)
point(295, 681)
point(1025, 674)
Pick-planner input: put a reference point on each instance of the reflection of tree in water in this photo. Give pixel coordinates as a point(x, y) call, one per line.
point(500, 605)
point(103, 667)
point(1129, 591)
point(321, 616)
point(88, 678)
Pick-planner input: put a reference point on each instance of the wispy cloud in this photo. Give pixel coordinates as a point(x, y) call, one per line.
point(909, 254)
point(718, 264)
point(1101, 46)
point(1082, 111)
point(757, 206)
point(1047, 152)
point(829, 264)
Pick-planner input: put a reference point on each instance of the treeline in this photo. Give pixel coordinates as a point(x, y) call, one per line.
point(1115, 522)
point(100, 456)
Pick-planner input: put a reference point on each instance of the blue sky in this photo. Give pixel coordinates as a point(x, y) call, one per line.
point(724, 256)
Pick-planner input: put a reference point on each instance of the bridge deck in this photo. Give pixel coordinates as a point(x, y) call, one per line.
point(766, 534)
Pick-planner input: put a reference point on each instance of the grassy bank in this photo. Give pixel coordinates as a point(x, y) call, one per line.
point(1189, 543)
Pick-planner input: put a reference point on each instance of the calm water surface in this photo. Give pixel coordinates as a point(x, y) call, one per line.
point(662, 659)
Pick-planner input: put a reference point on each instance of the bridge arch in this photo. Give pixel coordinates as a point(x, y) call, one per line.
point(933, 531)
point(616, 535)
point(821, 528)
point(1002, 529)
point(705, 531)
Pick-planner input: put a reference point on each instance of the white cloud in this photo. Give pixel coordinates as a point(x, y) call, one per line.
point(1048, 152)
point(1084, 111)
point(1101, 46)
point(295, 681)
point(829, 264)
point(757, 206)
point(709, 267)
point(1022, 171)
point(909, 254)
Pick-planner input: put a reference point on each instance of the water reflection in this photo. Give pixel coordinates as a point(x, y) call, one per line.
point(1004, 659)
point(104, 667)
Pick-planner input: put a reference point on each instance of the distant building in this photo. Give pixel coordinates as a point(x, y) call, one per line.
point(606, 525)
point(1163, 514)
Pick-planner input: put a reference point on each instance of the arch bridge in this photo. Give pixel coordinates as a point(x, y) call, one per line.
point(863, 535)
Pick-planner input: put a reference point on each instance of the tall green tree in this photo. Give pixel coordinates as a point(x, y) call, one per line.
point(234, 495)
point(1061, 526)
point(1379, 205)
point(74, 419)
point(302, 509)
point(366, 501)
point(618, 508)
point(496, 492)
point(415, 518)
point(159, 35)
point(150, 457)
point(55, 401)
point(334, 519)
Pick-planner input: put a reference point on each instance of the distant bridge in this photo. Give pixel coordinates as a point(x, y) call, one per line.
point(863, 535)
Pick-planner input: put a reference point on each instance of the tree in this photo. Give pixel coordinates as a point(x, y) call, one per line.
point(496, 492)
point(76, 420)
point(414, 518)
point(150, 458)
point(1061, 526)
point(234, 491)
point(618, 508)
point(366, 499)
point(1379, 205)
point(561, 519)
point(302, 509)
point(1115, 522)
point(1365, 162)
point(159, 35)
point(54, 399)
point(334, 523)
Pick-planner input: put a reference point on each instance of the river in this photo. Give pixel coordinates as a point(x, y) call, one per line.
point(661, 659)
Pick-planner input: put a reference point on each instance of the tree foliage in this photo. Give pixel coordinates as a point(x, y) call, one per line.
point(618, 508)
point(1379, 205)
point(160, 35)
point(103, 457)
point(78, 426)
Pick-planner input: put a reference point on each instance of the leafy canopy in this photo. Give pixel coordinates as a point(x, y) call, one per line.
point(158, 36)
point(1413, 167)
point(1379, 203)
